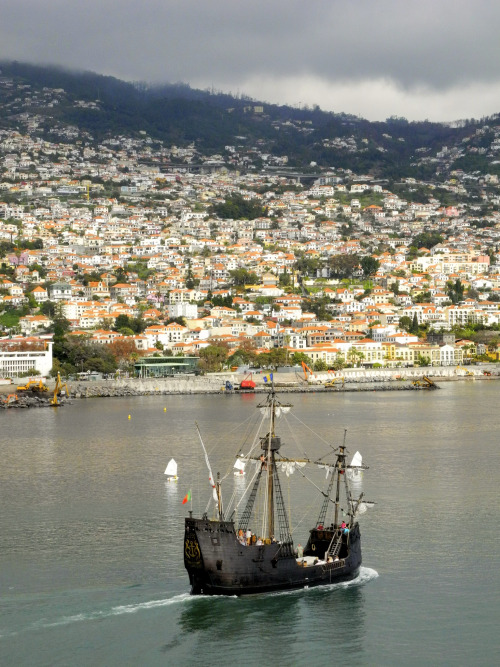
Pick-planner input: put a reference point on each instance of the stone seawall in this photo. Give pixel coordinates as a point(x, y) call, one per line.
point(352, 380)
point(149, 387)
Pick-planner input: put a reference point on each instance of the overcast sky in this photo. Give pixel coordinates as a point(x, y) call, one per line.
point(435, 59)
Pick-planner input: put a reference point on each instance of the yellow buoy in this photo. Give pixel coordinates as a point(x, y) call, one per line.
point(164, 409)
point(129, 417)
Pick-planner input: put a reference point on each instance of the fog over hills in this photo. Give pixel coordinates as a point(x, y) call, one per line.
point(178, 114)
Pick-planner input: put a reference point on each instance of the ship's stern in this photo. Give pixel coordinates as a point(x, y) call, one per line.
point(193, 559)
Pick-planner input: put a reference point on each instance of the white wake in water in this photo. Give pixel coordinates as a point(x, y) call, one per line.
point(366, 574)
point(116, 611)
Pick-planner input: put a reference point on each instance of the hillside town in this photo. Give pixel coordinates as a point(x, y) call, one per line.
point(153, 251)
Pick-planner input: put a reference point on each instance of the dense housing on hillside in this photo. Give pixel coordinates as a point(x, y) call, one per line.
point(144, 248)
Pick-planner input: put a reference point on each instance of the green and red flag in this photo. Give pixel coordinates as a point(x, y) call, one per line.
point(186, 498)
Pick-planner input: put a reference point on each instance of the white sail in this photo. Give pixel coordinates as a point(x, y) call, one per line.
point(171, 469)
point(357, 459)
point(363, 507)
point(239, 464)
point(355, 472)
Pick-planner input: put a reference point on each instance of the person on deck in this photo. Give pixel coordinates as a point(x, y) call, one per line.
point(300, 551)
point(249, 536)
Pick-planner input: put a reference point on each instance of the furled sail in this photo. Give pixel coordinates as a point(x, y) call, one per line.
point(289, 467)
point(207, 461)
point(279, 410)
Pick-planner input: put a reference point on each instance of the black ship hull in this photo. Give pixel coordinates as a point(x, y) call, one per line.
point(218, 564)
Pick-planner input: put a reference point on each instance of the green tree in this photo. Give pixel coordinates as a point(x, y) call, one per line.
point(285, 280)
point(343, 266)
point(121, 322)
point(355, 356)
point(75, 355)
point(370, 265)
point(298, 358)
point(455, 291)
point(427, 240)
point(213, 358)
point(277, 356)
point(338, 363)
point(405, 323)
point(238, 208)
point(243, 277)
point(423, 360)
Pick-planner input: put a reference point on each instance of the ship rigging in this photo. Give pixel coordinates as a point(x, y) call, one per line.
point(224, 556)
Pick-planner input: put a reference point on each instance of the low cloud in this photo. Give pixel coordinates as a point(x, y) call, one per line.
point(344, 55)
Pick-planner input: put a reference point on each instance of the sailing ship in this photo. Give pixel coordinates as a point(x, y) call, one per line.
point(171, 471)
point(224, 557)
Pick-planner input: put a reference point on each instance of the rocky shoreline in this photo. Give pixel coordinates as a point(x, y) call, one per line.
point(215, 384)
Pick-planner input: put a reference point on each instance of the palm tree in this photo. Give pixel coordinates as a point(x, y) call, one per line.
point(355, 356)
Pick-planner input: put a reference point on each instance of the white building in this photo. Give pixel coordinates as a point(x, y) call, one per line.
point(15, 361)
point(60, 292)
point(187, 310)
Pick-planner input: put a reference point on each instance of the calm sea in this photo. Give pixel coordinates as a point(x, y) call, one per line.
point(91, 569)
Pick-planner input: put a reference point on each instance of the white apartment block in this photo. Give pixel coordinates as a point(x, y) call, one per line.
point(14, 362)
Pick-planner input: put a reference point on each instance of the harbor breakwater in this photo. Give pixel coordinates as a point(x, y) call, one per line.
point(356, 379)
point(351, 380)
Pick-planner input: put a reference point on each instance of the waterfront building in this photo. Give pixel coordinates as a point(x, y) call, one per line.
point(166, 366)
point(20, 355)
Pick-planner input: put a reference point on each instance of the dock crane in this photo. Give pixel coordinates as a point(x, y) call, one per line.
point(60, 385)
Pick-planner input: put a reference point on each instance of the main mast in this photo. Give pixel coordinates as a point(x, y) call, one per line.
point(270, 444)
point(271, 439)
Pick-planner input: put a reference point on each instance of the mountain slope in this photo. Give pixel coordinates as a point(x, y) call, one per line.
point(176, 114)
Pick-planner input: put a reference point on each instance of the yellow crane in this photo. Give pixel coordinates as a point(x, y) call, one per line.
point(37, 386)
point(11, 398)
point(465, 371)
point(425, 383)
point(334, 379)
point(60, 385)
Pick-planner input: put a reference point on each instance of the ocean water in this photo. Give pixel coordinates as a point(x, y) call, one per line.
point(91, 569)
